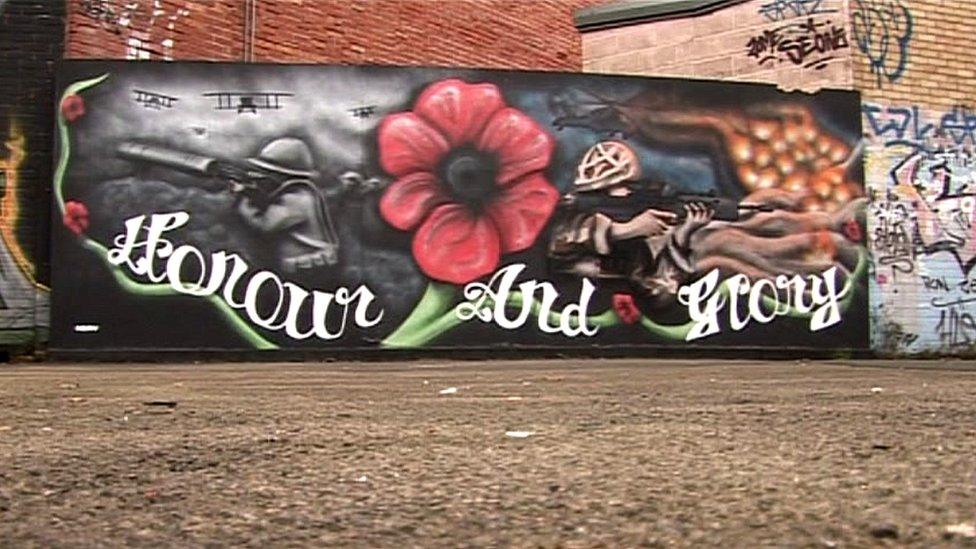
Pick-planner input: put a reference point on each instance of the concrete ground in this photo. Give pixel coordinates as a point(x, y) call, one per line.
point(568, 453)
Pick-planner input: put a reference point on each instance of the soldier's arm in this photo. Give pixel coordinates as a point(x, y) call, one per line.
point(283, 214)
point(649, 223)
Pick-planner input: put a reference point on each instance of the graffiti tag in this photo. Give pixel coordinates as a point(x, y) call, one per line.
point(908, 125)
point(882, 30)
point(779, 10)
point(893, 236)
point(107, 14)
point(808, 44)
point(956, 327)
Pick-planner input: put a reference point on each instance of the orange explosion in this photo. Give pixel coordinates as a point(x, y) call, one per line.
point(788, 151)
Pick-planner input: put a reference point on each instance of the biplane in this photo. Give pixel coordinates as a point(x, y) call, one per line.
point(153, 100)
point(250, 102)
point(365, 111)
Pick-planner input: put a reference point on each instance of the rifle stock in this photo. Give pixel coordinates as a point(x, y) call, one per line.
point(624, 208)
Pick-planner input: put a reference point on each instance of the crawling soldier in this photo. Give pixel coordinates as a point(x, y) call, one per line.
point(650, 250)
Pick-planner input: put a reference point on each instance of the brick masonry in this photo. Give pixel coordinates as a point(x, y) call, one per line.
point(920, 169)
point(912, 64)
point(512, 34)
point(31, 42)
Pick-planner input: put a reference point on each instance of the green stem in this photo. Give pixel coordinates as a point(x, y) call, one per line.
point(427, 320)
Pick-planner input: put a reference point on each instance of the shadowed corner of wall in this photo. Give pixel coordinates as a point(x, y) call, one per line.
point(21, 305)
point(23, 302)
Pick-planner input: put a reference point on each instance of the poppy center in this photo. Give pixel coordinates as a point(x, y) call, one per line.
point(469, 175)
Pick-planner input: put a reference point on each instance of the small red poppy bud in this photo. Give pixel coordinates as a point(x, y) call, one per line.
point(75, 217)
point(852, 230)
point(72, 107)
point(626, 308)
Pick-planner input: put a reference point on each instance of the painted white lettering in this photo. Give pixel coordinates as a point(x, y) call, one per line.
point(816, 294)
point(261, 287)
point(489, 303)
point(692, 296)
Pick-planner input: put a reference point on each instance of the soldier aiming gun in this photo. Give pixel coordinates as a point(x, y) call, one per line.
point(275, 196)
point(614, 228)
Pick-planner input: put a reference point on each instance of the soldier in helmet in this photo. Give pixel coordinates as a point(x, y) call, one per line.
point(650, 250)
point(279, 199)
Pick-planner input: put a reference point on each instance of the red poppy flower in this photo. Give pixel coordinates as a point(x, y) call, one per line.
point(469, 179)
point(72, 107)
point(75, 216)
point(626, 309)
point(852, 230)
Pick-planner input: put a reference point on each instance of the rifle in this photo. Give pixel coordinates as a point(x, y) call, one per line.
point(625, 208)
point(226, 175)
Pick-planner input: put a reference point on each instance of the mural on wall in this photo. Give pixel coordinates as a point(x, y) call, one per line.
point(20, 293)
point(310, 207)
point(24, 169)
point(922, 178)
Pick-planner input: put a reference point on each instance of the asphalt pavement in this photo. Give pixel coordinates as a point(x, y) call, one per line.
point(547, 453)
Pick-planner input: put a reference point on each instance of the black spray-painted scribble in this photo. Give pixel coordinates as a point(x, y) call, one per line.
point(895, 337)
point(921, 216)
point(893, 238)
point(780, 10)
point(106, 13)
point(882, 30)
point(908, 125)
point(810, 44)
point(956, 327)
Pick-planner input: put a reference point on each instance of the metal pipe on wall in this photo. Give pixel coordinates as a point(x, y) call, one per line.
point(250, 29)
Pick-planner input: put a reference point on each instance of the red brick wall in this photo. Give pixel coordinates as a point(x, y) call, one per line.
point(172, 29)
point(518, 34)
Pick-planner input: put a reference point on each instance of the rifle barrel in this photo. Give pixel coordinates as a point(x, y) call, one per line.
point(179, 160)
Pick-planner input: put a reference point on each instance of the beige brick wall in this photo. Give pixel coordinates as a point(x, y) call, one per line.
point(916, 75)
point(719, 44)
point(938, 61)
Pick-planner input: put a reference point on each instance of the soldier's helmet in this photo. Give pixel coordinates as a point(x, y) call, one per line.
point(286, 156)
point(606, 164)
